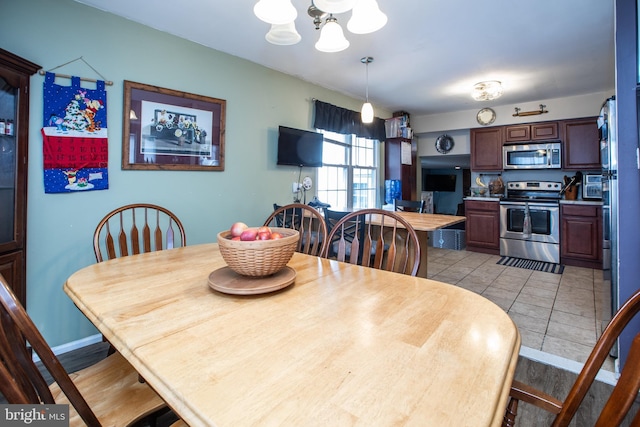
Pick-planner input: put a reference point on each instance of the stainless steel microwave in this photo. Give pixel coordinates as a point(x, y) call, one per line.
point(546, 155)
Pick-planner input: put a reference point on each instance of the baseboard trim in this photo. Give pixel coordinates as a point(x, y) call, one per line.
point(606, 377)
point(73, 345)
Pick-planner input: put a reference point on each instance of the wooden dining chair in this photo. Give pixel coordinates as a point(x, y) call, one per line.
point(137, 228)
point(106, 393)
point(331, 218)
point(307, 220)
point(408, 205)
point(375, 238)
point(623, 395)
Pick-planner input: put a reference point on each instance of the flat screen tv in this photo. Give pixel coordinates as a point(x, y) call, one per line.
point(297, 147)
point(432, 182)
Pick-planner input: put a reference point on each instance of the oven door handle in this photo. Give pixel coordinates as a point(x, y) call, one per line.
point(531, 204)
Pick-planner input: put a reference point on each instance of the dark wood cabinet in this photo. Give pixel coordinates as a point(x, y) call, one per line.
point(581, 145)
point(482, 226)
point(543, 131)
point(486, 149)
point(395, 151)
point(15, 73)
point(581, 235)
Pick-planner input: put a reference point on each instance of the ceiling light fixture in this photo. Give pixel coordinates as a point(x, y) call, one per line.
point(366, 114)
point(366, 18)
point(283, 34)
point(275, 11)
point(332, 38)
point(486, 91)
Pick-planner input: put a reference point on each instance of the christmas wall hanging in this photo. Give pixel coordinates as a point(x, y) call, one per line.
point(75, 144)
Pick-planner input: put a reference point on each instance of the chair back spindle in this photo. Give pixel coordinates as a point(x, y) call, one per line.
point(161, 229)
point(375, 238)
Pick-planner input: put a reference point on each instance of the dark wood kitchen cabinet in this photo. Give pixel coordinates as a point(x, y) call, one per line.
point(482, 226)
point(15, 73)
point(395, 168)
point(581, 235)
point(543, 131)
point(486, 149)
point(581, 145)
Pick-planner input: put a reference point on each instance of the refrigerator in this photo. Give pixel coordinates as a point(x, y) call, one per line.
point(609, 158)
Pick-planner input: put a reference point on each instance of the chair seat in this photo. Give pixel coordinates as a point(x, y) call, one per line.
point(104, 386)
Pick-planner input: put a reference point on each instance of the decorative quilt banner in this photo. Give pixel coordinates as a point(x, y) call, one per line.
point(75, 139)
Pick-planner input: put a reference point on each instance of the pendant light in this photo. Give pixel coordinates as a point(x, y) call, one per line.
point(366, 113)
point(331, 37)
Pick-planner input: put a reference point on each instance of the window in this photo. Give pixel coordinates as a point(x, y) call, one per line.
point(348, 178)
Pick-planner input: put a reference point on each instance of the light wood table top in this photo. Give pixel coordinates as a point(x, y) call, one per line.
point(430, 222)
point(343, 345)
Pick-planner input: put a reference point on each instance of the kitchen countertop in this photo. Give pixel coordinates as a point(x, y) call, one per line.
point(483, 198)
point(581, 202)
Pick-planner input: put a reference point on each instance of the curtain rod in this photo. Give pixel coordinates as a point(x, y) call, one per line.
point(84, 79)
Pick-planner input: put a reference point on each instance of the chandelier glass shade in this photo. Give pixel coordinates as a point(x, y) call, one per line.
point(275, 11)
point(283, 34)
point(366, 17)
point(332, 38)
point(335, 6)
point(486, 91)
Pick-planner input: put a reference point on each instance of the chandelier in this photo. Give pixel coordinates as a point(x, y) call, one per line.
point(366, 18)
point(486, 91)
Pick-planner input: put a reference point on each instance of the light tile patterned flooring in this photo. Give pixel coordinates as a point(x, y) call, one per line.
point(555, 313)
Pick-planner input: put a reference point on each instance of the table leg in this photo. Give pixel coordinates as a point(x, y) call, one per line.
point(423, 236)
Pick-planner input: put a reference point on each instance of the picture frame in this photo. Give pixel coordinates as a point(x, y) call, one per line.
point(165, 129)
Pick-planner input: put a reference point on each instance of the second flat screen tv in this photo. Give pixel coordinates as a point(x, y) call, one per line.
point(297, 147)
point(433, 182)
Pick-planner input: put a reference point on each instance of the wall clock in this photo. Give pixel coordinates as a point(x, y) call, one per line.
point(486, 116)
point(444, 144)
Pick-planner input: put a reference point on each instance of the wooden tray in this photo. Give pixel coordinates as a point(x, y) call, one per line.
point(227, 281)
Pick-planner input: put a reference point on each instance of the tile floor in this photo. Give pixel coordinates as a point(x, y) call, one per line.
point(555, 313)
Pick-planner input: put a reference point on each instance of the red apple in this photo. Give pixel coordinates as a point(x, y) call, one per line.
point(264, 235)
point(264, 229)
point(275, 235)
point(235, 238)
point(237, 228)
point(249, 234)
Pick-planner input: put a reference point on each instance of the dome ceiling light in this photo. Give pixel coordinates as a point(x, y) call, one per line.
point(487, 91)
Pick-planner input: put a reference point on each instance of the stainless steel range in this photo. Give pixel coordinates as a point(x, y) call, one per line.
point(530, 221)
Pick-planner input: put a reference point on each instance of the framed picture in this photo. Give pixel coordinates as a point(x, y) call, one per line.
point(165, 129)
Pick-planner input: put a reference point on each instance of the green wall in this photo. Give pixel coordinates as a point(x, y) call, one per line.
point(60, 226)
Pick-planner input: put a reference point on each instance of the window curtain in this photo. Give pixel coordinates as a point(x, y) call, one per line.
point(340, 120)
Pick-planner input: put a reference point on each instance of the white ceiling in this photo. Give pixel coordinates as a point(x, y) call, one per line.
point(427, 57)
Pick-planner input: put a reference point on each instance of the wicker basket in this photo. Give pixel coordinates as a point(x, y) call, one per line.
point(258, 257)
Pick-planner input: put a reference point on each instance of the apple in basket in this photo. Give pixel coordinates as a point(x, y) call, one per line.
point(237, 228)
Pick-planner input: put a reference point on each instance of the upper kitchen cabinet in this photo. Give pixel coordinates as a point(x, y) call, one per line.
point(486, 149)
point(531, 132)
point(581, 149)
point(15, 74)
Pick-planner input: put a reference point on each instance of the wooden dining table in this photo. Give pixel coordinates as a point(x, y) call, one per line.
point(423, 223)
point(343, 345)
